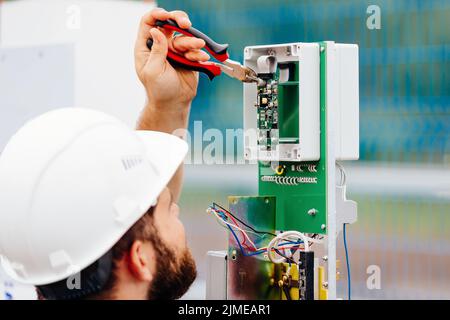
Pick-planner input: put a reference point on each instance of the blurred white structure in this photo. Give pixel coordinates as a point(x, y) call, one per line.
point(102, 34)
point(64, 53)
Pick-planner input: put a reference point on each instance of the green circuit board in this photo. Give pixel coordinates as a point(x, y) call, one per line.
point(299, 187)
point(267, 112)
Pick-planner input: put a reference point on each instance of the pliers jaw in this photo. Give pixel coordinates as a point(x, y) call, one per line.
point(219, 51)
point(236, 70)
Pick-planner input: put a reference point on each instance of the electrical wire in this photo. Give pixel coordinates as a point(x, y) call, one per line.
point(255, 251)
point(343, 183)
point(258, 234)
point(237, 240)
point(253, 230)
point(219, 219)
point(242, 249)
point(293, 239)
point(244, 233)
point(234, 218)
point(285, 245)
point(349, 280)
point(222, 221)
point(245, 224)
point(289, 259)
point(275, 243)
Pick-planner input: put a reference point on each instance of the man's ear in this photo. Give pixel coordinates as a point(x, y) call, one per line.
point(142, 260)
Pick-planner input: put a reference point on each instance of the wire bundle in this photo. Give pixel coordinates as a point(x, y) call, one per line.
point(288, 242)
point(284, 244)
point(290, 236)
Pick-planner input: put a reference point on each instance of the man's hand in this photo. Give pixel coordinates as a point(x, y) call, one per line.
point(168, 89)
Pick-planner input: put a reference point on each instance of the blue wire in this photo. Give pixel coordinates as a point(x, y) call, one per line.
point(256, 252)
point(349, 280)
point(237, 240)
point(299, 242)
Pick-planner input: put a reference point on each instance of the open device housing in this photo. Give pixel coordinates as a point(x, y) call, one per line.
point(299, 121)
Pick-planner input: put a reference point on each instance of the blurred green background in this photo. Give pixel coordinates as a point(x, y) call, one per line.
point(403, 89)
point(400, 181)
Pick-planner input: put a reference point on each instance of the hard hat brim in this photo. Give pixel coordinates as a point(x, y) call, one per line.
point(165, 152)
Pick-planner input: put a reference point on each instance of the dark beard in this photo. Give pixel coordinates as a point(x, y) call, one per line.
point(174, 274)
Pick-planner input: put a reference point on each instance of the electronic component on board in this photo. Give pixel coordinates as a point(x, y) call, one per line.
point(299, 119)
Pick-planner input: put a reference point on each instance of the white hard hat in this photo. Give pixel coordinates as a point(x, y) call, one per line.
point(72, 182)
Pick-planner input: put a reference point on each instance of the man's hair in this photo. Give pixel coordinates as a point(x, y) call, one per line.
point(144, 230)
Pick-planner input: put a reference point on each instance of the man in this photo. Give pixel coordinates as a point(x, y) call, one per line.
point(80, 191)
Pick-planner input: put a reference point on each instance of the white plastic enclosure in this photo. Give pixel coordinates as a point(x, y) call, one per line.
point(308, 146)
point(342, 87)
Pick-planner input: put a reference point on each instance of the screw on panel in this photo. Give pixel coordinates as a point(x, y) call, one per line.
point(323, 227)
point(325, 258)
point(322, 49)
point(312, 212)
point(325, 284)
point(288, 51)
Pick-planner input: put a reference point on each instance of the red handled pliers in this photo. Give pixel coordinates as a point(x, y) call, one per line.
point(219, 51)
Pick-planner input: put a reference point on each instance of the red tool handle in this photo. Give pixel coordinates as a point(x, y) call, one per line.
point(218, 51)
point(176, 60)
